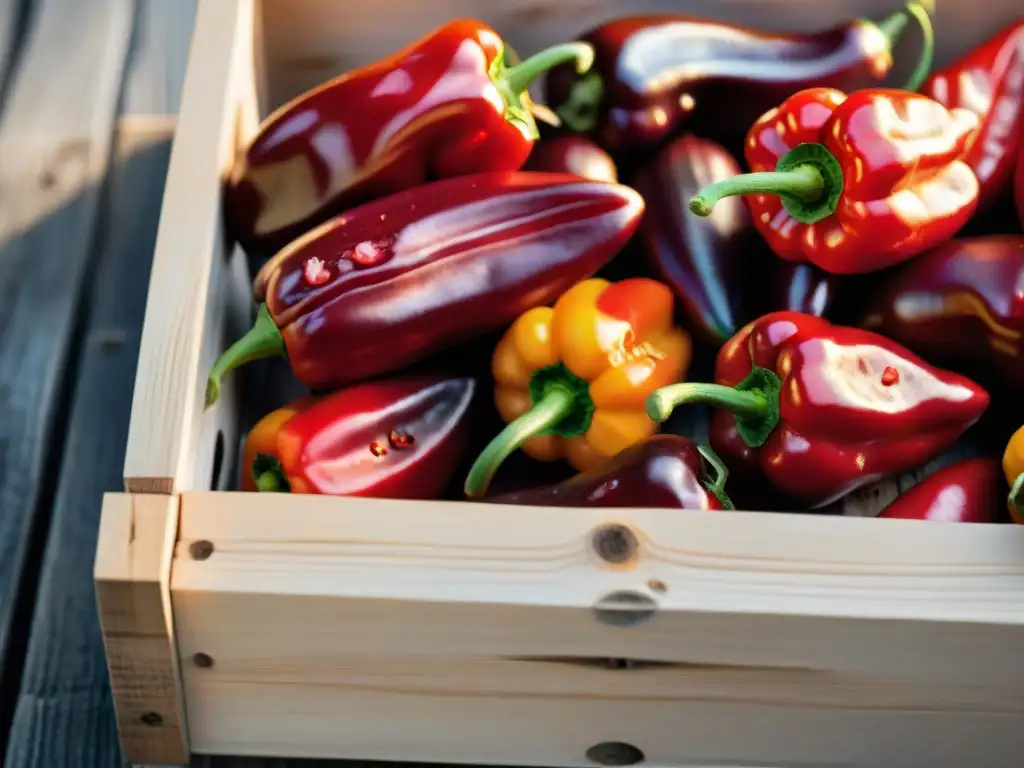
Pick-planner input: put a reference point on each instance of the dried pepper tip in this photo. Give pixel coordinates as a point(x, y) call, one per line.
point(269, 475)
point(514, 81)
point(716, 484)
point(262, 340)
point(561, 406)
point(808, 179)
point(1015, 501)
point(754, 403)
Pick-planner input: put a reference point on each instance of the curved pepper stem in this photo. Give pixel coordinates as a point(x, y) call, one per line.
point(754, 402)
point(716, 485)
point(892, 27)
point(1015, 501)
point(561, 405)
point(262, 340)
point(808, 179)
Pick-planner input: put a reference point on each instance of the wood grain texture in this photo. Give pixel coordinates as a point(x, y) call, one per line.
point(154, 81)
point(818, 639)
point(132, 574)
point(54, 145)
point(199, 296)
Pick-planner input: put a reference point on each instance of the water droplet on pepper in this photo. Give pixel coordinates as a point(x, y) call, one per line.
point(316, 272)
point(400, 439)
point(370, 253)
point(890, 376)
point(378, 448)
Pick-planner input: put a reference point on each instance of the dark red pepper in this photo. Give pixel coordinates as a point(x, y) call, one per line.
point(427, 268)
point(399, 438)
point(965, 492)
point(449, 104)
point(961, 304)
point(989, 81)
point(1018, 184)
point(572, 154)
point(662, 471)
point(654, 74)
point(721, 271)
point(803, 403)
point(855, 183)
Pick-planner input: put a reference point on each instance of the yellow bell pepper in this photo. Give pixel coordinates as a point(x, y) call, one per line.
point(1013, 468)
point(571, 380)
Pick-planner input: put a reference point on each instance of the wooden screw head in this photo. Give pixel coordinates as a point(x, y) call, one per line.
point(152, 719)
point(200, 550)
point(615, 753)
point(615, 543)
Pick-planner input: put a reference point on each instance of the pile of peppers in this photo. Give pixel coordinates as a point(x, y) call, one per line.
point(544, 273)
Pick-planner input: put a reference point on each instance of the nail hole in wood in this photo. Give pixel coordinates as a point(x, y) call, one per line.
point(625, 608)
point(202, 660)
point(218, 460)
point(152, 719)
point(200, 550)
point(617, 664)
point(615, 753)
point(615, 543)
point(657, 585)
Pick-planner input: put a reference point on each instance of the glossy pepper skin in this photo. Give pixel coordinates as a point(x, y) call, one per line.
point(571, 379)
point(662, 472)
point(577, 155)
point(855, 183)
point(446, 105)
point(989, 81)
point(396, 280)
point(655, 74)
point(399, 438)
point(961, 304)
point(1013, 471)
point(820, 409)
point(965, 492)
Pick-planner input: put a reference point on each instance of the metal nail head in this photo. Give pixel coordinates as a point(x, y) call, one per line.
point(200, 550)
point(615, 753)
point(615, 543)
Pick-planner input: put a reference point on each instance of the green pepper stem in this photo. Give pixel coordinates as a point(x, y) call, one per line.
point(927, 57)
point(519, 77)
point(804, 182)
point(717, 485)
point(545, 414)
point(268, 482)
point(662, 402)
point(1016, 499)
point(262, 340)
point(580, 110)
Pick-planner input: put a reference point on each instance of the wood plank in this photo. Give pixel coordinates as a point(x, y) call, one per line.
point(65, 714)
point(12, 18)
point(54, 146)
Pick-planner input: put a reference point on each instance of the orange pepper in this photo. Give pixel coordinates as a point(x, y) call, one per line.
point(262, 441)
point(1013, 468)
point(571, 380)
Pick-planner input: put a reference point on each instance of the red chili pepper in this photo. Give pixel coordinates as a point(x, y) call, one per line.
point(989, 81)
point(965, 492)
point(961, 304)
point(449, 104)
point(802, 403)
point(399, 439)
point(572, 154)
point(855, 183)
point(428, 268)
point(663, 471)
point(655, 74)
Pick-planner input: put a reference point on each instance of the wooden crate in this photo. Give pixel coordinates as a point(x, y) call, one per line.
point(426, 631)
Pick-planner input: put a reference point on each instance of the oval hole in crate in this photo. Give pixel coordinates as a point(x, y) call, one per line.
point(218, 461)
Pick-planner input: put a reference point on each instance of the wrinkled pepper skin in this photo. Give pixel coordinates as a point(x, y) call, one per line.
point(571, 380)
point(400, 438)
point(446, 105)
point(855, 183)
point(1013, 471)
point(572, 154)
point(706, 262)
point(822, 409)
point(989, 81)
point(656, 74)
point(661, 472)
point(965, 492)
point(396, 280)
point(961, 304)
